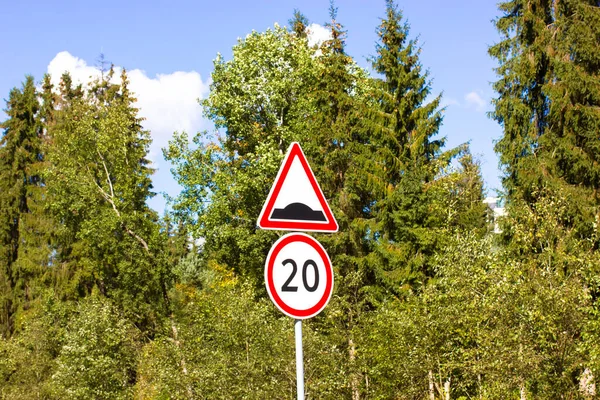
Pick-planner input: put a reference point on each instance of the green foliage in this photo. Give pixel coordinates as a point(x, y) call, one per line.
point(98, 357)
point(521, 107)
point(258, 98)
point(178, 238)
point(225, 343)
point(98, 184)
point(298, 24)
point(456, 198)
point(548, 102)
point(70, 350)
point(28, 357)
point(548, 107)
point(23, 251)
point(276, 90)
point(409, 168)
point(226, 346)
point(268, 75)
point(489, 325)
point(191, 270)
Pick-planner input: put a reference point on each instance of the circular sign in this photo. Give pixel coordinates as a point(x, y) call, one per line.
point(299, 276)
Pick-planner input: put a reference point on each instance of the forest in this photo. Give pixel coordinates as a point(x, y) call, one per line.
point(101, 297)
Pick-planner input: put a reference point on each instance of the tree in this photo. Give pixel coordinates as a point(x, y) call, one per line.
point(410, 168)
point(232, 343)
point(28, 357)
point(521, 107)
point(178, 241)
point(21, 154)
point(489, 326)
point(99, 182)
point(276, 90)
point(569, 147)
point(337, 151)
point(98, 356)
point(299, 24)
point(257, 99)
point(547, 104)
point(456, 198)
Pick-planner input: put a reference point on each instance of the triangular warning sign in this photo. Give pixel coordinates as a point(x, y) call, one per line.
point(296, 202)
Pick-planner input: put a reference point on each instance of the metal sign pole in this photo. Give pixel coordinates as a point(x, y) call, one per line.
point(299, 357)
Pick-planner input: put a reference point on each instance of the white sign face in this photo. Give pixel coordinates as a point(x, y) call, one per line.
point(296, 188)
point(299, 276)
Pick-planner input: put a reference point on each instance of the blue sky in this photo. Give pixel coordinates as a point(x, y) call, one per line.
point(169, 47)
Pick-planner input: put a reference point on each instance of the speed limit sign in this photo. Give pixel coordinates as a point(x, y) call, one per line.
point(299, 276)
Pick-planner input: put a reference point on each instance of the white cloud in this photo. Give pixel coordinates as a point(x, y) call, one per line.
point(474, 99)
point(317, 34)
point(168, 102)
point(77, 68)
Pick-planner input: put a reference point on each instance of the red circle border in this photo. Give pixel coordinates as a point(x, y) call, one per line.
point(277, 247)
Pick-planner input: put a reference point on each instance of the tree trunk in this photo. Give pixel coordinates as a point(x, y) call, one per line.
point(431, 386)
point(354, 380)
point(447, 389)
point(182, 361)
point(523, 392)
point(587, 386)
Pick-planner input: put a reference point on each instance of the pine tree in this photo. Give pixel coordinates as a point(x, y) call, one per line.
point(20, 152)
point(548, 104)
point(521, 107)
point(339, 150)
point(299, 23)
point(409, 156)
point(569, 149)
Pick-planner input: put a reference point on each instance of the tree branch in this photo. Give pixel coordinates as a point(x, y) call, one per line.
point(138, 238)
point(110, 198)
point(112, 192)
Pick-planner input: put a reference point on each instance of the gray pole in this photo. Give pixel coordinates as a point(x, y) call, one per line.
point(299, 363)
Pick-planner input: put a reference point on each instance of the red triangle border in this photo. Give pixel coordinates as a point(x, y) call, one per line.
point(263, 220)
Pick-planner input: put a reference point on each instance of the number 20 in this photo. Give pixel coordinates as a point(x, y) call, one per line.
point(286, 286)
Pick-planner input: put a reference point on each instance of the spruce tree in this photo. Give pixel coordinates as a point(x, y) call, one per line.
point(340, 153)
point(299, 23)
point(37, 227)
point(548, 96)
point(410, 156)
point(548, 100)
point(407, 125)
point(569, 149)
point(521, 107)
point(48, 103)
point(20, 152)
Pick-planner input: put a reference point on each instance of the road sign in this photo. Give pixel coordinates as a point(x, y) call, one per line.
point(299, 276)
point(296, 202)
